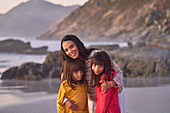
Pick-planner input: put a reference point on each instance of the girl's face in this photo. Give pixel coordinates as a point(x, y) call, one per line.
point(97, 69)
point(70, 49)
point(77, 75)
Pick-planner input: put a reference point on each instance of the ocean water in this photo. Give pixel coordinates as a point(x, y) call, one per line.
point(8, 60)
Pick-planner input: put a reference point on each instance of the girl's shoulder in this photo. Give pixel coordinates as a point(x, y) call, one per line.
point(85, 83)
point(65, 83)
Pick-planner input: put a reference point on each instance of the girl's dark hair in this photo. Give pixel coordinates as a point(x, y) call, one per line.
point(83, 51)
point(100, 58)
point(73, 66)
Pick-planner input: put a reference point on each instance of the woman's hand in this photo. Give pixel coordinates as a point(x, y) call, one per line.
point(72, 105)
point(105, 85)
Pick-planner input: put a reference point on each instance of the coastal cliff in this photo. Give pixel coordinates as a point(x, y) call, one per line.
point(115, 20)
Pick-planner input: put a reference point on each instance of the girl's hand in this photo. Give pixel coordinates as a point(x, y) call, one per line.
point(72, 105)
point(105, 85)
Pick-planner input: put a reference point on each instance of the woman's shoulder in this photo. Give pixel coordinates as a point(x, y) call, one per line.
point(113, 72)
point(93, 52)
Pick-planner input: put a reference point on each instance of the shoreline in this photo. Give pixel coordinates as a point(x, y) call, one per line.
point(137, 100)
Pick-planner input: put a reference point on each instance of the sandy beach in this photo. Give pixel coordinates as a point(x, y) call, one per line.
point(40, 105)
point(138, 100)
point(148, 99)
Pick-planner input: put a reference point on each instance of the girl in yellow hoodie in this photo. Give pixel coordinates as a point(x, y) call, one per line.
point(74, 87)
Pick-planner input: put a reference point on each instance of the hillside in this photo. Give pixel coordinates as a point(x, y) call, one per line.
point(115, 20)
point(30, 19)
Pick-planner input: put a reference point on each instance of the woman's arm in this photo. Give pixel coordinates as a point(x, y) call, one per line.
point(119, 74)
point(117, 79)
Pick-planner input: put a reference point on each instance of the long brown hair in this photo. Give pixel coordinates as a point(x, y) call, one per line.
point(100, 58)
point(73, 66)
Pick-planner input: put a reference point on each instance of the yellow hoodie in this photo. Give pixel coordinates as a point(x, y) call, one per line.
point(78, 95)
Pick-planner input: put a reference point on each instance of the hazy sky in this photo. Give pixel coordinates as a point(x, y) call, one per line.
point(6, 5)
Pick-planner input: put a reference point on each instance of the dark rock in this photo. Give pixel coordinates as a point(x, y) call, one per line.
point(137, 61)
point(10, 73)
point(105, 47)
point(130, 44)
point(160, 43)
point(140, 67)
point(142, 61)
point(161, 69)
point(17, 46)
point(35, 71)
point(53, 58)
point(40, 50)
point(54, 73)
point(140, 44)
point(31, 71)
point(11, 45)
point(153, 16)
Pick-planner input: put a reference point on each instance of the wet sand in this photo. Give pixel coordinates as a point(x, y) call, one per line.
point(138, 100)
point(41, 105)
point(148, 100)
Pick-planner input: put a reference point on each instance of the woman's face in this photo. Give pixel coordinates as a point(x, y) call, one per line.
point(97, 69)
point(70, 49)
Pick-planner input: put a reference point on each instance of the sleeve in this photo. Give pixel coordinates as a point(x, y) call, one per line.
point(93, 52)
point(118, 78)
point(60, 98)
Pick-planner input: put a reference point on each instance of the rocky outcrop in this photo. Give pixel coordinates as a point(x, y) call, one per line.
point(17, 46)
point(145, 61)
point(115, 20)
point(139, 60)
point(53, 59)
point(36, 71)
point(31, 71)
point(160, 43)
point(105, 47)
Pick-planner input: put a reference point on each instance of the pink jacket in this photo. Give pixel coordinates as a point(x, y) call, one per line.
point(109, 101)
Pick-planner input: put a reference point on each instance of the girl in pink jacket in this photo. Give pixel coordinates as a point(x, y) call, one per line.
point(106, 101)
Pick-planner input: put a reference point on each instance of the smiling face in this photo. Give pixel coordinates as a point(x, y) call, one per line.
point(70, 49)
point(77, 75)
point(97, 69)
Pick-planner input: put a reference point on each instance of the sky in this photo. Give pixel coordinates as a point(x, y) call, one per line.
point(6, 5)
